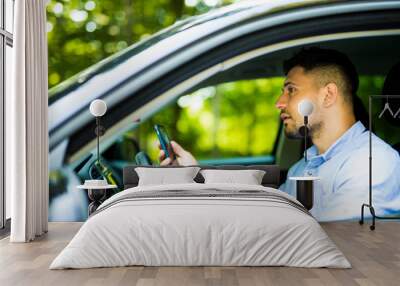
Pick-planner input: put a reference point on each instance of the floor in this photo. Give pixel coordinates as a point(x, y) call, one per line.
point(375, 257)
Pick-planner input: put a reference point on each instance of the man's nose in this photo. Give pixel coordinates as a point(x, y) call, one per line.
point(281, 102)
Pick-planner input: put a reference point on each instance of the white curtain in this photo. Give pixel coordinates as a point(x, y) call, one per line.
point(26, 124)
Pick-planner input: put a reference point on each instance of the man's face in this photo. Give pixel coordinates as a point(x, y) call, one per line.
point(298, 86)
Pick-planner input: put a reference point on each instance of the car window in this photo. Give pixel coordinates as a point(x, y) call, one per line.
point(230, 121)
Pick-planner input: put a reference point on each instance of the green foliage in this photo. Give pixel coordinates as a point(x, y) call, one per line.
point(81, 33)
point(232, 119)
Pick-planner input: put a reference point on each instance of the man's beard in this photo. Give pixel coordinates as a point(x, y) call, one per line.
point(293, 134)
point(298, 133)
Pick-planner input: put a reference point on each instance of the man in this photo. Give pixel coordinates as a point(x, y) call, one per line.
point(339, 156)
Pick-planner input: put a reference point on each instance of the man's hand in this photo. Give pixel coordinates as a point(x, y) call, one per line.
point(182, 157)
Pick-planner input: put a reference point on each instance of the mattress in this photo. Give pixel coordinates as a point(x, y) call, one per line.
point(201, 225)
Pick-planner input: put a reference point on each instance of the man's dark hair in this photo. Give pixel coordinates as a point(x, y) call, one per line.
point(333, 66)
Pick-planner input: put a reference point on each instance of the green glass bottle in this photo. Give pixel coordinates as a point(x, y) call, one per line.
point(107, 174)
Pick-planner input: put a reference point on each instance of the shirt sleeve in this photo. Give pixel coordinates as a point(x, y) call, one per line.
point(351, 187)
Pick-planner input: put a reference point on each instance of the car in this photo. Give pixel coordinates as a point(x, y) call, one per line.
point(235, 52)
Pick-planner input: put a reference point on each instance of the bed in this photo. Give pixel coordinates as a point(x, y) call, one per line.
point(197, 224)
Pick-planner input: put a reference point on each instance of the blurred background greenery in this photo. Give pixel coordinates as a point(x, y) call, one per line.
point(218, 122)
point(235, 119)
point(81, 33)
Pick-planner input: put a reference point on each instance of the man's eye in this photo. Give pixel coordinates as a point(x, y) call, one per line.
point(290, 89)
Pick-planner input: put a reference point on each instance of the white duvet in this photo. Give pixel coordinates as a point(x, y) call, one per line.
point(200, 231)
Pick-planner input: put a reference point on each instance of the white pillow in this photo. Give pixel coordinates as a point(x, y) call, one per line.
point(248, 177)
point(163, 176)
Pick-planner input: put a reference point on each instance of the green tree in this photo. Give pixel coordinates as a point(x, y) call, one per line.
point(81, 33)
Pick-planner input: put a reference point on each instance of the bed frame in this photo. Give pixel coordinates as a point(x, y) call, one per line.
point(270, 179)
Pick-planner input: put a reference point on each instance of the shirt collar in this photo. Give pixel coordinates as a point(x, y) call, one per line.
point(353, 132)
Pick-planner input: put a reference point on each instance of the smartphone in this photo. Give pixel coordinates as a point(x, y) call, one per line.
point(164, 141)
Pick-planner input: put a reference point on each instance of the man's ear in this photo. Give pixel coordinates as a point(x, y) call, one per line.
point(330, 94)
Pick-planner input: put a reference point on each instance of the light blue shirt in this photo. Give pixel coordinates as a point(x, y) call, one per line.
point(344, 176)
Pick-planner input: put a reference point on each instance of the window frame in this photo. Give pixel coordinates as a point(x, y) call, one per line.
point(6, 39)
